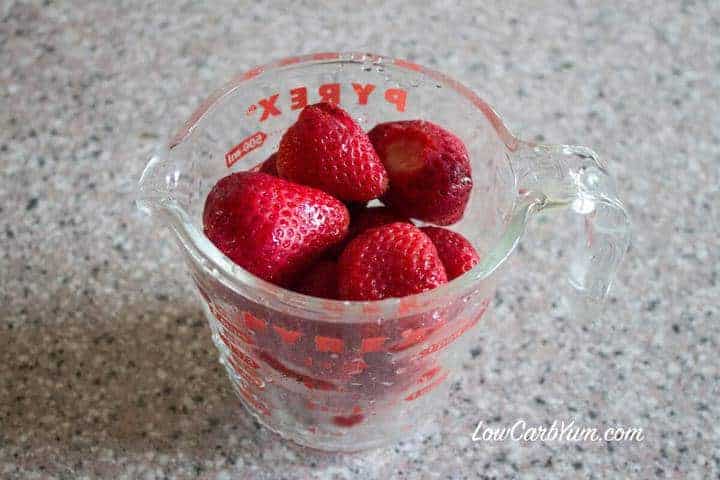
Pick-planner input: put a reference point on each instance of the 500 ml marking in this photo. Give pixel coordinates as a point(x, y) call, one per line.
point(298, 99)
point(328, 92)
point(249, 144)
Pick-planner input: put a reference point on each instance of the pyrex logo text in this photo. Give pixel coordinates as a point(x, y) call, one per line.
point(329, 92)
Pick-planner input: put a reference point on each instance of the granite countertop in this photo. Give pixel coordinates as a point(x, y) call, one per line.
point(106, 364)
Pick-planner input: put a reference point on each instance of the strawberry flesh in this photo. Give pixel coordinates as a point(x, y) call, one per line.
point(428, 167)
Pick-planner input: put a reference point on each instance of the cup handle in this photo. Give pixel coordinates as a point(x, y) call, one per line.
point(573, 178)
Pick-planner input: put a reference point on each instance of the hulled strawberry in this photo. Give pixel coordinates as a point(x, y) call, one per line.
point(428, 167)
point(272, 227)
point(456, 252)
point(392, 260)
point(326, 149)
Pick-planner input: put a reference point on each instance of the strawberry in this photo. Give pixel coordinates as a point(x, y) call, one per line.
point(319, 281)
point(272, 227)
point(326, 149)
point(456, 252)
point(428, 167)
point(393, 260)
point(364, 218)
point(268, 166)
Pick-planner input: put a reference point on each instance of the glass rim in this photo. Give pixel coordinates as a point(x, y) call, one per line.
point(204, 253)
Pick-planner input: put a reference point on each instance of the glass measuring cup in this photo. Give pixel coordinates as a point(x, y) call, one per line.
point(347, 376)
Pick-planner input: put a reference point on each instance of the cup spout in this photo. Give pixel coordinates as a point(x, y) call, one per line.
point(158, 182)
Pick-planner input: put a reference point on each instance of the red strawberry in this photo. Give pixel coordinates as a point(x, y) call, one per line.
point(364, 218)
point(326, 149)
point(456, 252)
point(319, 281)
point(429, 170)
point(272, 227)
point(393, 260)
point(268, 166)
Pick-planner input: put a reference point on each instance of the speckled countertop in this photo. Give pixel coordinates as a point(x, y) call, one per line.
point(106, 364)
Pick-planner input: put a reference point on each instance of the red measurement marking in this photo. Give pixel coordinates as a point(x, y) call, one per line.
point(407, 304)
point(213, 308)
point(410, 337)
point(235, 351)
point(354, 367)
point(329, 344)
point(251, 109)
point(429, 374)
point(413, 336)
point(287, 336)
point(252, 400)
point(231, 327)
point(424, 390)
point(372, 344)
point(247, 375)
point(370, 308)
point(254, 323)
point(235, 330)
point(455, 335)
point(204, 294)
point(308, 381)
point(348, 421)
point(249, 144)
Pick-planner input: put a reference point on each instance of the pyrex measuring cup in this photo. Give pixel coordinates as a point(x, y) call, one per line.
point(341, 375)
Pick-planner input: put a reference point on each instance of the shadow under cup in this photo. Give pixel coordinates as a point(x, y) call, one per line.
point(334, 375)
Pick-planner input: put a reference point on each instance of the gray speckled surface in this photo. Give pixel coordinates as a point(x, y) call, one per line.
point(106, 366)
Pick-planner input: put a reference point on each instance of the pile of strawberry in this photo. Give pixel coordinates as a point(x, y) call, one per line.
point(300, 219)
